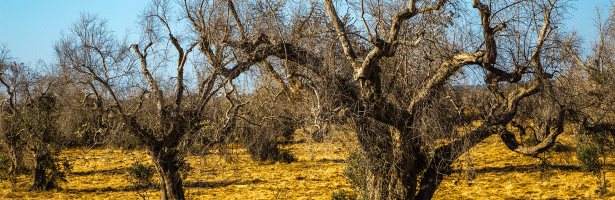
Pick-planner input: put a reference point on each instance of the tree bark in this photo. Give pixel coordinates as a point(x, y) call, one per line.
point(16, 151)
point(167, 166)
point(40, 174)
point(402, 184)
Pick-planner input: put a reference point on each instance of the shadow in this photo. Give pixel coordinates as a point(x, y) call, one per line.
point(204, 184)
point(108, 172)
point(287, 142)
point(532, 168)
point(332, 160)
point(528, 168)
point(189, 185)
point(105, 189)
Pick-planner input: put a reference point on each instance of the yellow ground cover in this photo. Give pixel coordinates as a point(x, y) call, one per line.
point(101, 174)
point(490, 172)
point(495, 172)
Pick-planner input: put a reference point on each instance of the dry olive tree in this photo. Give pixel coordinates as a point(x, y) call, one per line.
point(166, 110)
point(388, 68)
point(14, 78)
point(515, 51)
point(29, 122)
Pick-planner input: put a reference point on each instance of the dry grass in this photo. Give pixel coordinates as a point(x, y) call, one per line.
point(101, 174)
point(494, 172)
point(489, 171)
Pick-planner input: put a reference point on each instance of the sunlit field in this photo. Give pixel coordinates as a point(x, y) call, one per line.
point(490, 171)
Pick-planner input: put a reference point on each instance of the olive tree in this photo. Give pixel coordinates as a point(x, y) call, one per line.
point(164, 112)
point(391, 68)
point(14, 78)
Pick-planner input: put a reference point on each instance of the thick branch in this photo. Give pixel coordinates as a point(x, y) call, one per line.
point(446, 70)
point(231, 8)
point(511, 142)
point(340, 30)
point(408, 13)
point(157, 93)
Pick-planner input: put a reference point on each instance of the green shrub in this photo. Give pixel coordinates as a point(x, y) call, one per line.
point(261, 149)
point(52, 171)
point(355, 172)
point(287, 128)
point(263, 146)
point(591, 147)
point(140, 175)
point(341, 195)
point(530, 141)
point(589, 156)
point(6, 174)
point(5, 166)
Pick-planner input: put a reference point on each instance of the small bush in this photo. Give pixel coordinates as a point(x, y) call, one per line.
point(5, 165)
point(50, 170)
point(589, 156)
point(355, 172)
point(140, 175)
point(341, 195)
point(263, 149)
point(530, 141)
point(6, 174)
point(287, 128)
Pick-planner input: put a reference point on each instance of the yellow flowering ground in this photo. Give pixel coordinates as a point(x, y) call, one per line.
point(490, 172)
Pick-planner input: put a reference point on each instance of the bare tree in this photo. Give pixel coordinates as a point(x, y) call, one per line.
point(362, 86)
point(391, 74)
point(14, 78)
point(175, 112)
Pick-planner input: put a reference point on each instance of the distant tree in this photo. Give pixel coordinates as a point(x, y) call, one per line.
point(590, 88)
point(14, 78)
point(164, 112)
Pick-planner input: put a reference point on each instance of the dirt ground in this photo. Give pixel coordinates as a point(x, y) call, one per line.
point(488, 171)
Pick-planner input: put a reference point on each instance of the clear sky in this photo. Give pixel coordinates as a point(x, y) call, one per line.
point(30, 27)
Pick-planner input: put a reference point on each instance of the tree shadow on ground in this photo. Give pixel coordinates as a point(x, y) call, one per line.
point(198, 184)
point(287, 142)
point(332, 160)
point(205, 184)
point(104, 189)
point(106, 172)
point(534, 168)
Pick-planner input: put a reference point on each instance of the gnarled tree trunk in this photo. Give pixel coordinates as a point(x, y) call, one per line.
point(16, 151)
point(41, 182)
point(167, 166)
point(402, 184)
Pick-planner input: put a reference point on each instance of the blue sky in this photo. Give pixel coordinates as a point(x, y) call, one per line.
point(30, 27)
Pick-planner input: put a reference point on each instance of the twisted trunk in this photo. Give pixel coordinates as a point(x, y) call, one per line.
point(403, 173)
point(167, 165)
point(43, 160)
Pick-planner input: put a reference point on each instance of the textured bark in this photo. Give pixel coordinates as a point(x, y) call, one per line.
point(40, 174)
point(374, 185)
point(167, 167)
point(546, 142)
point(16, 151)
point(403, 181)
